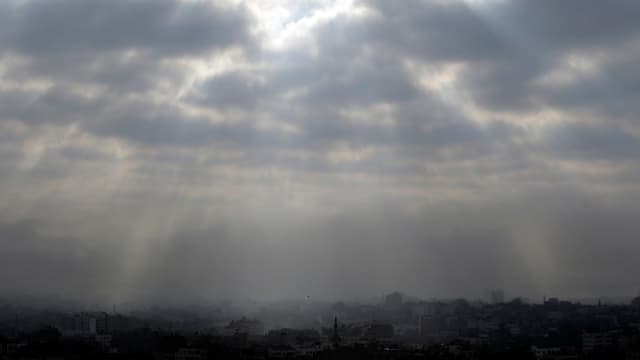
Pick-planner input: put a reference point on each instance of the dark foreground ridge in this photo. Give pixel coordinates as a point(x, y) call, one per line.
point(394, 329)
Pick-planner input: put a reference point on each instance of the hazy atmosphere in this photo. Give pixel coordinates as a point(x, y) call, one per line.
point(181, 151)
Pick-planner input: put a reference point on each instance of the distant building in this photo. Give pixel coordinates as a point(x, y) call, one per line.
point(596, 340)
point(191, 354)
point(292, 336)
point(335, 338)
point(393, 300)
point(435, 308)
point(186, 354)
point(102, 323)
point(379, 331)
point(545, 352)
point(430, 325)
point(246, 326)
point(78, 324)
point(406, 330)
point(282, 352)
point(496, 296)
point(104, 340)
point(553, 353)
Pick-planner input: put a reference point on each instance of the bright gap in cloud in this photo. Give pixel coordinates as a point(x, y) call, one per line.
point(282, 22)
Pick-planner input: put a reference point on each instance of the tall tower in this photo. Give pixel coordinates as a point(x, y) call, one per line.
point(335, 338)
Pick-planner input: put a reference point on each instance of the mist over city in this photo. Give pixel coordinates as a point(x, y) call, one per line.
point(224, 158)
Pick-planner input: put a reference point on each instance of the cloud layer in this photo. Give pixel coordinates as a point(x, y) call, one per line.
point(234, 150)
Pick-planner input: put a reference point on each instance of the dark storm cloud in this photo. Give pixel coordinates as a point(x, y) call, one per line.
point(439, 31)
point(119, 46)
point(111, 72)
point(498, 72)
point(229, 90)
point(173, 128)
point(543, 31)
point(504, 84)
point(78, 153)
point(612, 91)
point(574, 23)
point(593, 142)
point(364, 84)
point(332, 79)
point(57, 105)
point(163, 28)
point(506, 44)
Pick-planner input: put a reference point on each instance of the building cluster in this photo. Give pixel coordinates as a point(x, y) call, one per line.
point(396, 328)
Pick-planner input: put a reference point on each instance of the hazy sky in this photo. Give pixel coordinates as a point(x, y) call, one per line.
point(156, 150)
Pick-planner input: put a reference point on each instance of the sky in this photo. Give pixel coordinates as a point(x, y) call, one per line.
point(166, 150)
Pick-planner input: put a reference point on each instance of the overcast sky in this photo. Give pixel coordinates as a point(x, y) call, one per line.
point(156, 150)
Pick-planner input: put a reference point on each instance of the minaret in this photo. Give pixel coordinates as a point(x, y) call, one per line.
point(335, 338)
